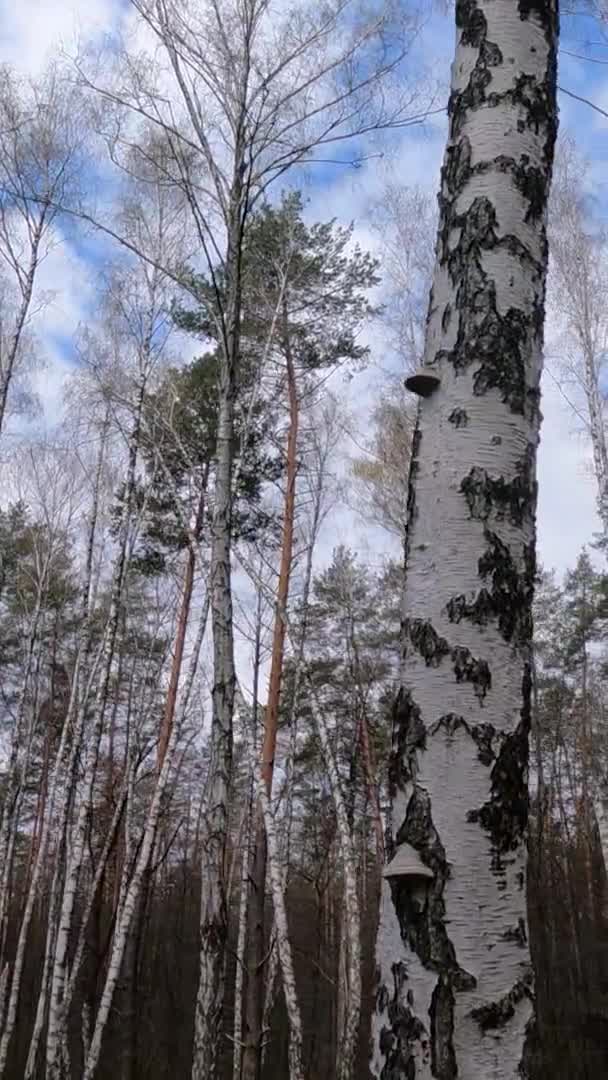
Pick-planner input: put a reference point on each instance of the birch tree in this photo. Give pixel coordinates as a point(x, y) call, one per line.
point(454, 985)
point(242, 95)
point(41, 138)
point(578, 280)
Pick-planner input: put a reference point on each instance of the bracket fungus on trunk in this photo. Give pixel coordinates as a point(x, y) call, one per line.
point(423, 382)
point(407, 864)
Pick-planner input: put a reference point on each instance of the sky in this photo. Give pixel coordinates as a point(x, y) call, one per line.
point(30, 30)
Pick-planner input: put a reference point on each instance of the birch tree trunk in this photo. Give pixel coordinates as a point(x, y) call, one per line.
point(454, 996)
point(180, 636)
point(57, 1010)
point(214, 917)
point(252, 1053)
point(26, 282)
point(133, 885)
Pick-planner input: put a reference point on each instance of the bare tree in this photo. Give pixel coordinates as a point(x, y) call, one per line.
point(578, 282)
point(41, 137)
point(380, 473)
point(405, 221)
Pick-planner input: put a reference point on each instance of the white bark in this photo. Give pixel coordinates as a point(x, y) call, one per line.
point(579, 279)
point(241, 945)
point(72, 728)
point(26, 282)
point(58, 1018)
point(326, 433)
point(214, 919)
point(17, 768)
point(133, 886)
point(453, 996)
point(283, 944)
point(348, 1036)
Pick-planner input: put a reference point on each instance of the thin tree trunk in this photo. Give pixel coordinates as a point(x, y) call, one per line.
point(252, 1053)
point(351, 916)
point(27, 290)
point(454, 973)
point(180, 637)
point(31, 1065)
point(57, 1013)
point(208, 1017)
point(244, 899)
point(17, 776)
point(132, 886)
point(372, 788)
point(296, 1042)
point(317, 508)
point(74, 718)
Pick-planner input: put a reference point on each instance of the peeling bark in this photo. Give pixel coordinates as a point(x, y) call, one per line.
point(454, 997)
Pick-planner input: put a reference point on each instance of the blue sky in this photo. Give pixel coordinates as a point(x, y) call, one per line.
point(567, 499)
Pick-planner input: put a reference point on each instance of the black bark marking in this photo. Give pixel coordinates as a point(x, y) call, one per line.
point(505, 815)
point(502, 341)
point(459, 418)
point(511, 499)
point(499, 344)
point(531, 1064)
point(528, 179)
point(412, 510)
point(471, 22)
point(433, 648)
point(399, 1041)
point(443, 1056)
point(496, 1014)
point(408, 737)
point(426, 641)
point(508, 596)
point(482, 734)
point(467, 668)
point(518, 934)
point(421, 913)
point(511, 590)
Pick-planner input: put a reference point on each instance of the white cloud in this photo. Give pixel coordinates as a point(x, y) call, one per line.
point(32, 30)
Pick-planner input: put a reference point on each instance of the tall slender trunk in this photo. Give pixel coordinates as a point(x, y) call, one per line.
point(208, 1016)
point(182, 626)
point(27, 290)
point(133, 885)
point(298, 675)
point(247, 846)
point(71, 730)
point(58, 1019)
point(72, 727)
point(256, 951)
point(296, 1041)
point(348, 1031)
point(17, 768)
point(596, 430)
point(454, 973)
